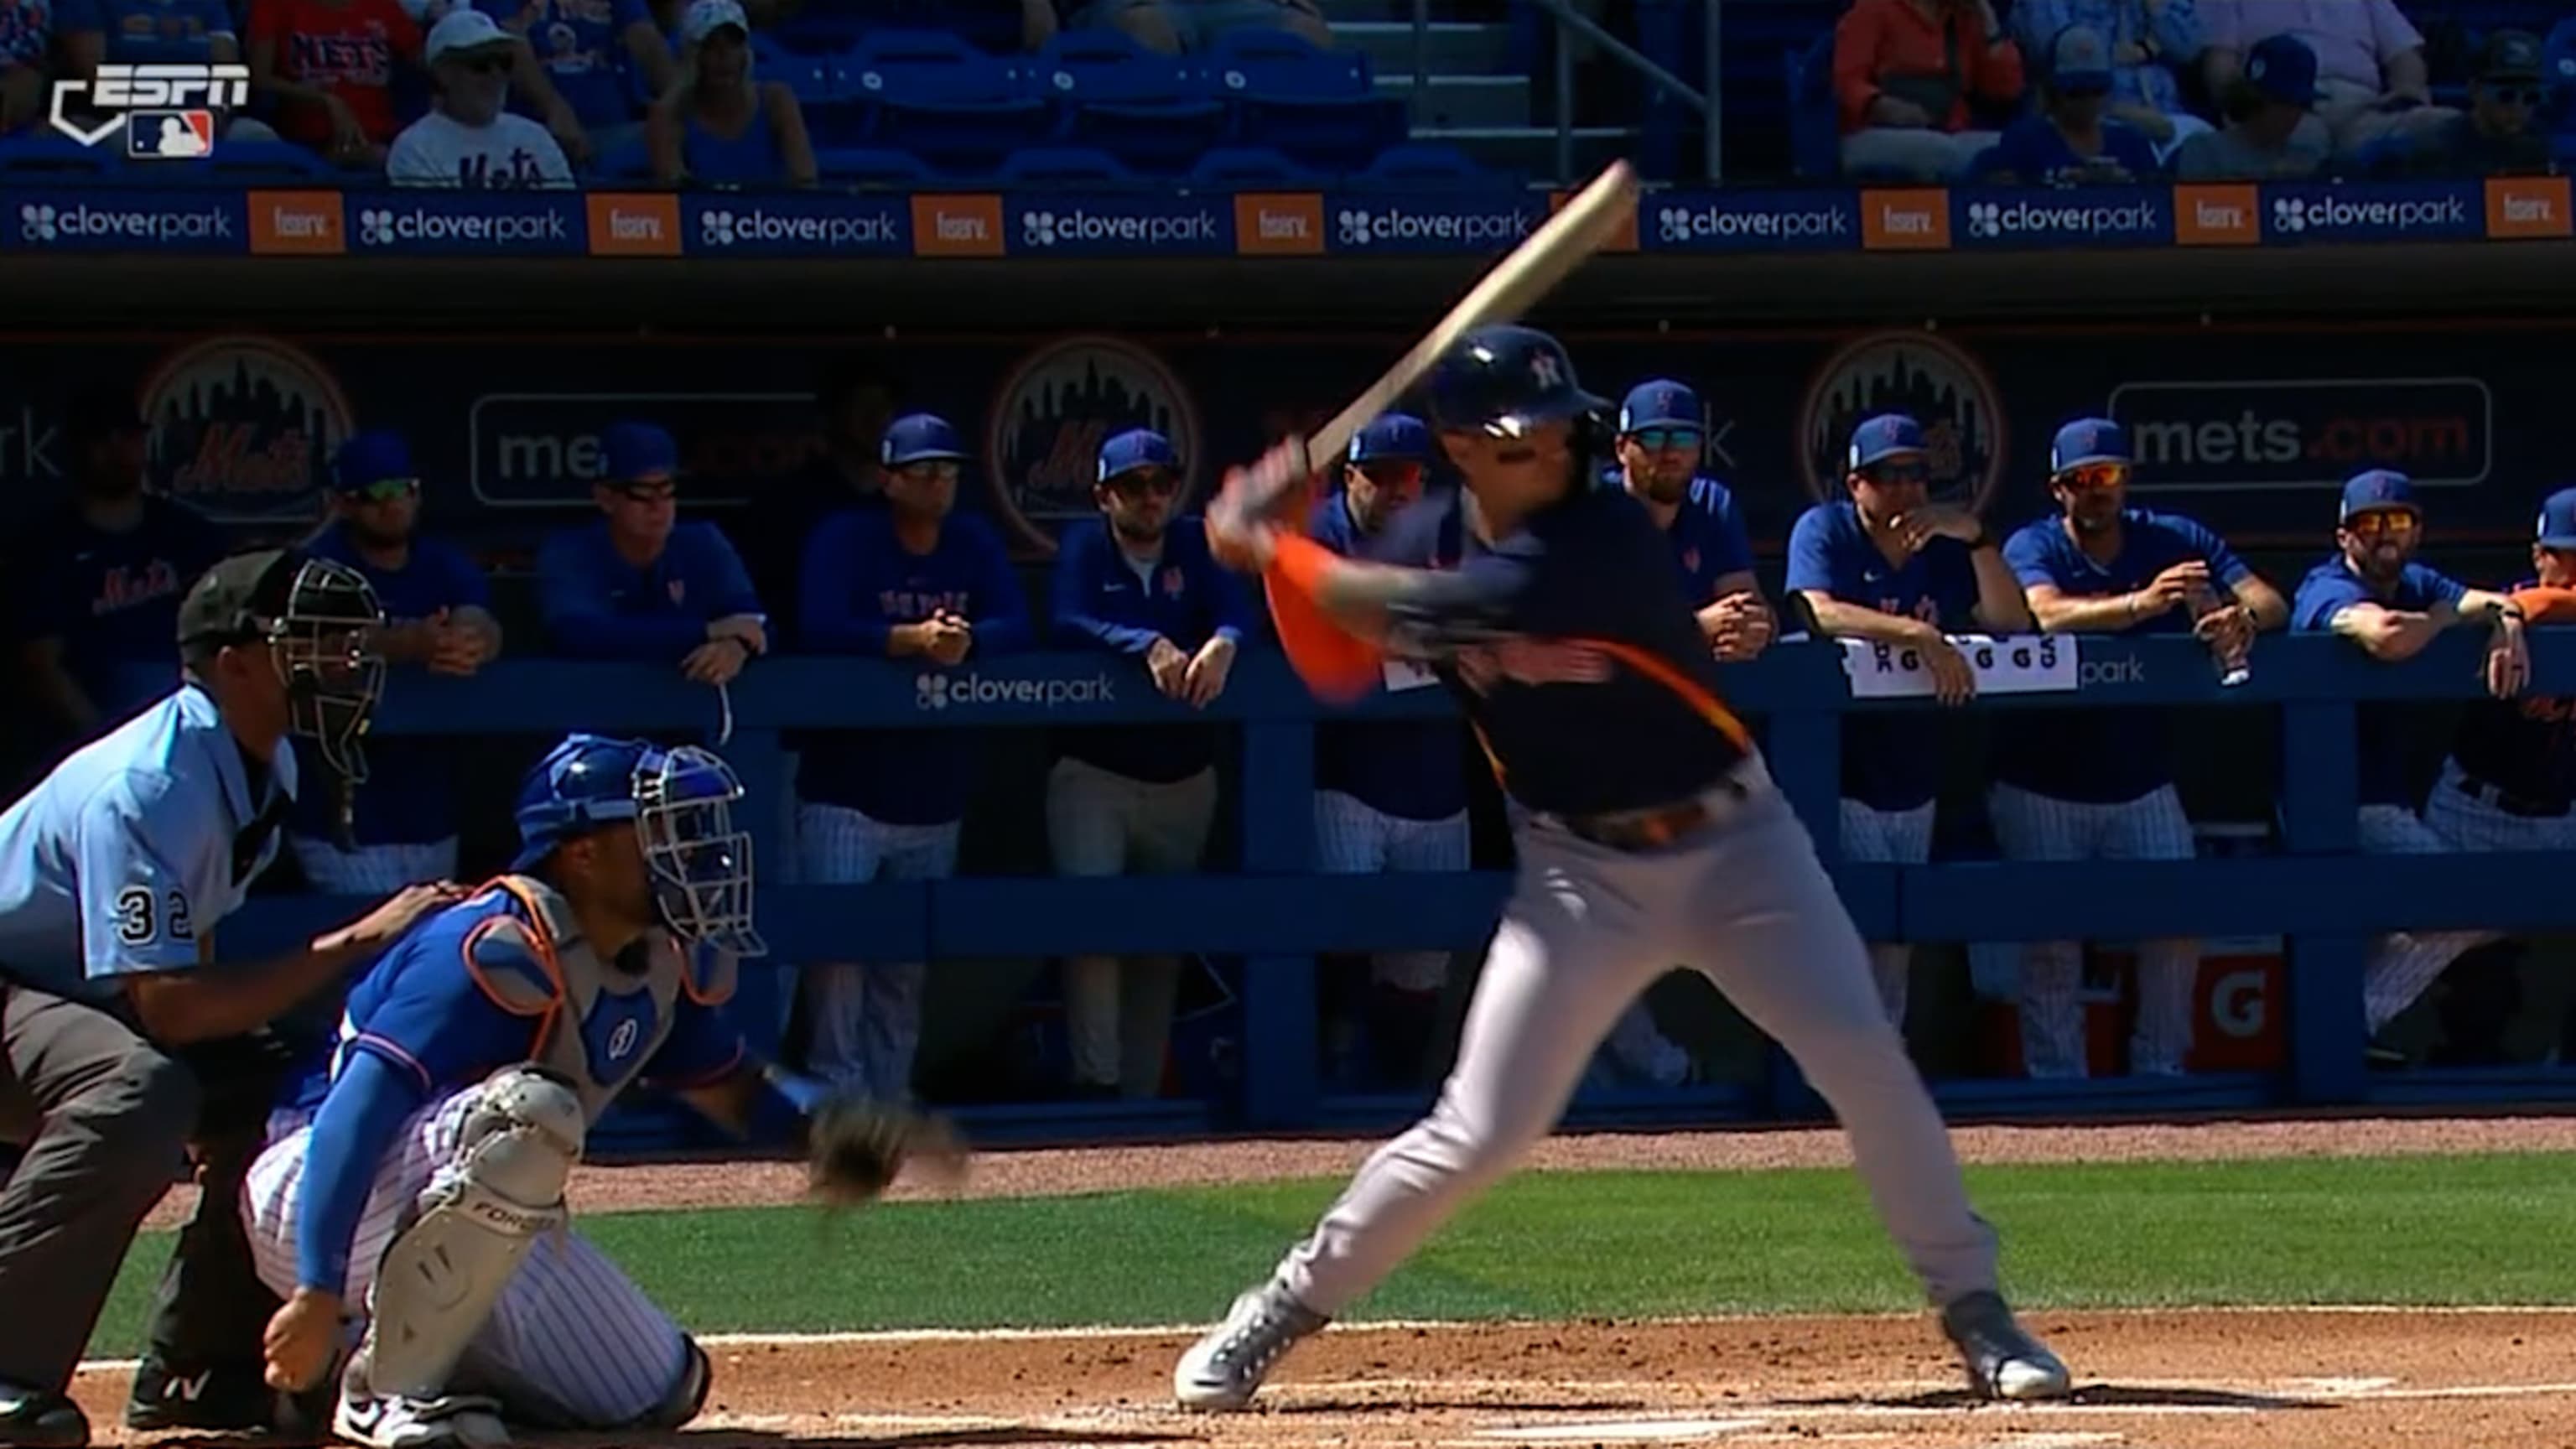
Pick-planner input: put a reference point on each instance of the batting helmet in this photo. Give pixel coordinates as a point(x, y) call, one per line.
point(1504, 380)
point(680, 801)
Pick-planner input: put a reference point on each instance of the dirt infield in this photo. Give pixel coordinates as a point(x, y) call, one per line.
point(2253, 1380)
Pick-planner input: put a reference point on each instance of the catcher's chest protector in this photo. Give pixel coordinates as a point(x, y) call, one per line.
point(594, 1023)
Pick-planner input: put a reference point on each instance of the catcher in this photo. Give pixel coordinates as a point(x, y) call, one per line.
point(416, 1182)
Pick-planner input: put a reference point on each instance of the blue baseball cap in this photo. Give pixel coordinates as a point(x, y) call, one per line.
point(2283, 68)
point(1889, 435)
point(1661, 403)
point(2079, 61)
point(369, 458)
point(919, 438)
point(2558, 520)
point(1392, 437)
point(1136, 448)
point(2088, 440)
point(638, 453)
point(2377, 489)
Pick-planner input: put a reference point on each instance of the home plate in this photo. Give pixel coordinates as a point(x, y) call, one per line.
point(1627, 1430)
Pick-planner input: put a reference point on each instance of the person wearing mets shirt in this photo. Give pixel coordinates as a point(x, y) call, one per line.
point(2510, 782)
point(1137, 583)
point(916, 583)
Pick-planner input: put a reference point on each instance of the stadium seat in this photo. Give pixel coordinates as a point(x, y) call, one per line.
point(871, 166)
point(627, 163)
point(1419, 165)
point(824, 33)
point(42, 154)
point(2558, 62)
point(944, 101)
point(1151, 112)
point(1277, 62)
point(1062, 166)
point(237, 163)
point(1319, 107)
point(811, 77)
point(1240, 167)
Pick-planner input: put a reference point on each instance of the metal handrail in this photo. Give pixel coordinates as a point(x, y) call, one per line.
point(1569, 19)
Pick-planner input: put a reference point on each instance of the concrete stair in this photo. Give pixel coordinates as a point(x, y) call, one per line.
point(1472, 96)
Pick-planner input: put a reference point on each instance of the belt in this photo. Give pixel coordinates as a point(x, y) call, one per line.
point(1657, 826)
point(2526, 806)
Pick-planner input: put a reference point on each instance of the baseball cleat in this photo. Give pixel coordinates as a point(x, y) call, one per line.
point(2003, 1360)
point(40, 1419)
point(395, 1421)
point(1221, 1370)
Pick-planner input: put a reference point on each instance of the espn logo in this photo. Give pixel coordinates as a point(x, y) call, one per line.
point(169, 135)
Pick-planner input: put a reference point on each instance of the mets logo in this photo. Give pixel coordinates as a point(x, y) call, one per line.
point(1925, 377)
point(243, 428)
point(1042, 446)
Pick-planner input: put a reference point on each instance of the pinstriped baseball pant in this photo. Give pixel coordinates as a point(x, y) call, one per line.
point(2406, 962)
point(2032, 826)
point(1355, 838)
point(1871, 836)
point(866, 1016)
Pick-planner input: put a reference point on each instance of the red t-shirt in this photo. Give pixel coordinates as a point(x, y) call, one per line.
point(348, 49)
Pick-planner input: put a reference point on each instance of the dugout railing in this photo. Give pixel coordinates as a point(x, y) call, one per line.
point(2323, 898)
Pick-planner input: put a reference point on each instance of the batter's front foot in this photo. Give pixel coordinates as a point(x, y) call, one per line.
point(2003, 1360)
point(1221, 1370)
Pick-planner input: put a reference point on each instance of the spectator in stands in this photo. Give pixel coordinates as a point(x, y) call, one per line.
point(1175, 26)
point(2153, 44)
point(2372, 82)
point(716, 126)
point(154, 32)
point(2374, 593)
point(26, 52)
point(2069, 141)
point(912, 582)
point(2098, 784)
point(101, 577)
point(638, 584)
point(468, 140)
point(592, 50)
point(853, 399)
point(326, 68)
point(2271, 133)
point(1888, 564)
point(1390, 795)
point(401, 825)
point(1904, 73)
point(2500, 135)
point(1138, 583)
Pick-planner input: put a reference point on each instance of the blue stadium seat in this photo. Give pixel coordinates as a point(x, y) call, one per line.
point(1243, 167)
point(823, 32)
point(239, 163)
point(811, 77)
point(944, 101)
point(872, 166)
point(1277, 62)
point(1149, 111)
point(2558, 62)
point(1063, 166)
point(1420, 165)
point(45, 154)
point(630, 162)
point(1320, 107)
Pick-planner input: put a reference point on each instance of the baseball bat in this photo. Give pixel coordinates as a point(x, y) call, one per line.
point(1544, 258)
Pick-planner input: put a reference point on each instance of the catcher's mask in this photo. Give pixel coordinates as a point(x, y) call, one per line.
point(681, 802)
point(318, 618)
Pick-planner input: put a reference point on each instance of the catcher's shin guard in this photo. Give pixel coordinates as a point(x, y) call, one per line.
point(442, 1275)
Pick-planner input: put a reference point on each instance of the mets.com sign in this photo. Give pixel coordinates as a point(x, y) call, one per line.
point(936, 692)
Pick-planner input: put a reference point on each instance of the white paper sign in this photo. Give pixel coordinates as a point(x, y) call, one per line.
point(2013, 664)
point(1405, 674)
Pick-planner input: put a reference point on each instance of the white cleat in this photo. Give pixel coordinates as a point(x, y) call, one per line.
point(393, 1421)
point(2003, 1360)
point(1221, 1370)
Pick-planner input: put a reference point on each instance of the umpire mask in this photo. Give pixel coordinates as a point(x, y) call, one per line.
point(700, 864)
point(323, 646)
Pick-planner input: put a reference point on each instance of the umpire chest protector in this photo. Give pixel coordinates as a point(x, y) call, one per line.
point(594, 1022)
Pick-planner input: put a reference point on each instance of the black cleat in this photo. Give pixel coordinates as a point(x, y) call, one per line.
point(2003, 1360)
point(40, 1419)
point(208, 1401)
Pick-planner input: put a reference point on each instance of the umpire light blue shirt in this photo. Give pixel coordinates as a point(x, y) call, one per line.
point(1891, 761)
point(2329, 589)
point(125, 852)
point(2103, 756)
point(858, 583)
point(1412, 769)
point(599, 606)
point(1105, 601)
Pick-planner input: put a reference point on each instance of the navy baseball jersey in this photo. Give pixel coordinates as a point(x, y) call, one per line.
point(858, 583)
point(410, 794)
point(2525, 747)
point(1707, 536)
point(493, 981)
point(2037, 154)
point(133, 846)
point(113, 598)
point(1410, 769)
point(2103, 756)
point(2329, 589)
point(1572, 651)
point(1105, 600)
point(1891, 761)
point(599, 606)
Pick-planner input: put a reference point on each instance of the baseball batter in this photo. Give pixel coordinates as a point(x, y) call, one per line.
point(418, 1177)
point(1651, 835)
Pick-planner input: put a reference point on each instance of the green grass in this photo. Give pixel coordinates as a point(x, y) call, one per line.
point(2431, 1230)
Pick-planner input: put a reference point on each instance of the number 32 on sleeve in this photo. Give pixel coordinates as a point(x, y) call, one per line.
point(138, 921)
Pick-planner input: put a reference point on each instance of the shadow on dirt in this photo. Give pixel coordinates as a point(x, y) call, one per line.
point(2091, 1396)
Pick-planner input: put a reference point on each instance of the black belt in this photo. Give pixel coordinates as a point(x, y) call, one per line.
point(2527, 806)
point(1657, 826)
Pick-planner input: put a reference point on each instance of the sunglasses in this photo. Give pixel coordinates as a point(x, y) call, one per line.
point(1153, 480)
point(943, 469)
point(386, 490)
point(481, 64)
point(2527, 96)
point(2383, 523)
point(1892, 475)
point(644, 492)
point(1656, 440)
point(2091, 477)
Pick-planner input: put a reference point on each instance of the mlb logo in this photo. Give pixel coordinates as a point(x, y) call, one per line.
point(169, 135)
point(678, 589)
point(1172, 583)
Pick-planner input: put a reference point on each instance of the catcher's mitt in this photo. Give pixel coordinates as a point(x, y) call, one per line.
point(856, 1147)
